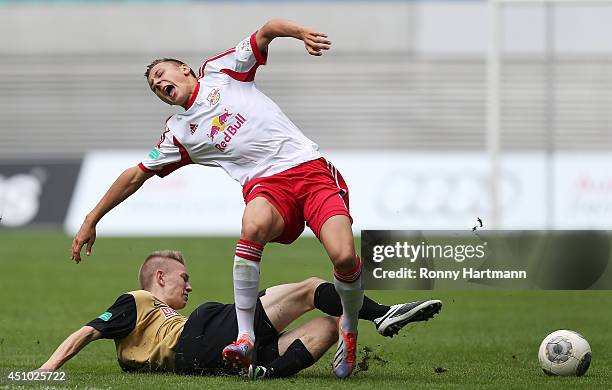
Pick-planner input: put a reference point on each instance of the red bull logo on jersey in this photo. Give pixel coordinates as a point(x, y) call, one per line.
point(230, 131)
point(219, 123)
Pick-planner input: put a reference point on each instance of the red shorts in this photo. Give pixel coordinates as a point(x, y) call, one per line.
point(312, 192)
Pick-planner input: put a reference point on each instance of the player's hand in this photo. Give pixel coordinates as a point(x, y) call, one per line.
point(86, 235)
point(314, 41)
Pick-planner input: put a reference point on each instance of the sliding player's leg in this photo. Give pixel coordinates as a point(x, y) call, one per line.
point(389, 320)
point(336, 236)
point(285, 303)
point(261, 223)
point(301, 347)
point(298, 349)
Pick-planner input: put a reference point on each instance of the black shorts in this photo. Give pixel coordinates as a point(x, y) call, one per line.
point(213, 326)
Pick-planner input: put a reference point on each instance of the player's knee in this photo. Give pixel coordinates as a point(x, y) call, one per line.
point(330, 329)
point(254, 231)
point(322, 335)
point(308, 289)
point(313, 282)
point(344, 260)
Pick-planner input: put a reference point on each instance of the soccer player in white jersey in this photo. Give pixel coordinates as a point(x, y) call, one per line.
point(229, 123)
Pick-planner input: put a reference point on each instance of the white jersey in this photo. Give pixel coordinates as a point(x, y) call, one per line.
point(230, 124)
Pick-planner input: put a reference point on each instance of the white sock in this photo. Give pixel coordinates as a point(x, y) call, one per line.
point(246, 285)
point(348, 286)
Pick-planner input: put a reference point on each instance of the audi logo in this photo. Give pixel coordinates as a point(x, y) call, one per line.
point(442, 193)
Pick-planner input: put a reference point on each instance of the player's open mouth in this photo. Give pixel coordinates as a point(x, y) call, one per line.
point(186, 297)
point(169, 90)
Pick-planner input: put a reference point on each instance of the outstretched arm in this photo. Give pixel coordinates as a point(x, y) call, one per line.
point(313, 41)
point(70, 347)
point(126, 184)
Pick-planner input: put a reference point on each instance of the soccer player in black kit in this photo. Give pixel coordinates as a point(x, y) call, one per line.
point(150, 335)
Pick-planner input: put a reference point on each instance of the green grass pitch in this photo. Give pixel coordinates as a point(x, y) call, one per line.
point(481, 339)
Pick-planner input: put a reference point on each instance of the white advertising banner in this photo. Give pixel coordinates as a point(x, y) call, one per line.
point(193, 200)
point(583, 195)
point(388, 190)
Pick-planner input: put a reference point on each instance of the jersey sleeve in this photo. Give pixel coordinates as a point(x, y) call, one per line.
point(118, 320)
point(239, 63)
point(168, 156)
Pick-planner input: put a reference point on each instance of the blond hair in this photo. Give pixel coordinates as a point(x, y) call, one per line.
point(156, 260)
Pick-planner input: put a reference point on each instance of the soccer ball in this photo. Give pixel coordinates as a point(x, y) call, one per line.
point(565, 353)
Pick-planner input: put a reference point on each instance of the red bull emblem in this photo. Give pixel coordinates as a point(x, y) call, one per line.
point(230, 132)
point(219, 123)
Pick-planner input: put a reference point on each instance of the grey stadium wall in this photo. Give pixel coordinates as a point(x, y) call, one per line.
point(72, 79)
